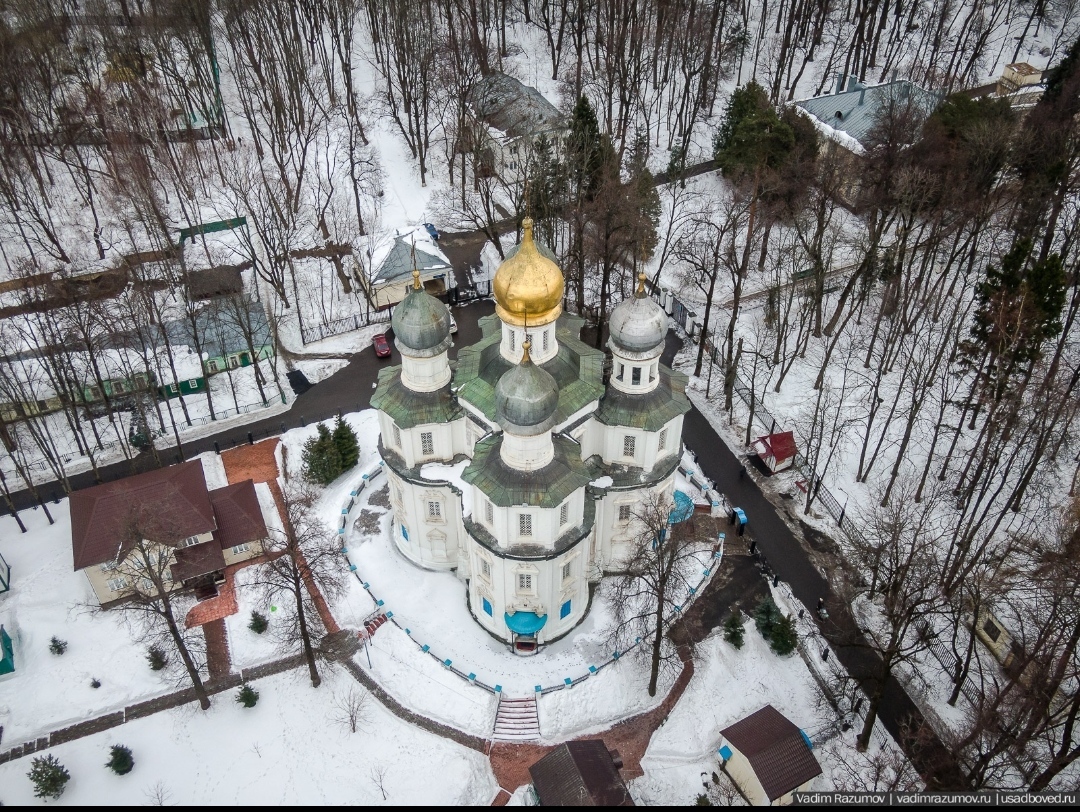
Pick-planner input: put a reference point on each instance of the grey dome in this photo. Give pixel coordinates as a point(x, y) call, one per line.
point(638, 324)
point(526, 398)
point(421, 324)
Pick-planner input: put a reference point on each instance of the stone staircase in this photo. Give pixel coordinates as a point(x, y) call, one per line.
point(372, 624)
point(516, 720)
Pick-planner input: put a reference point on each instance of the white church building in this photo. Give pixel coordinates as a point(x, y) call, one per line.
point(515, 466)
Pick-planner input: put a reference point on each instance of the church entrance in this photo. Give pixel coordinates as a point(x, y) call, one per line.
point(525, 644)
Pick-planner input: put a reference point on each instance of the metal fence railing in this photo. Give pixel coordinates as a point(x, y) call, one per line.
point(346, 324)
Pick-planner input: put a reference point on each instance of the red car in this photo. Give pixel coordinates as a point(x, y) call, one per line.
point(382, 346)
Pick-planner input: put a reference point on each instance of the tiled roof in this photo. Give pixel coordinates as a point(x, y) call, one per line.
point(776, 749)
point(408, 408)
point(199, 559)
point(167, 505)
point(577, 369)
point(238, 513)
point(579, 773)
point(855, 112)
point(546, 487)
point(649, 410)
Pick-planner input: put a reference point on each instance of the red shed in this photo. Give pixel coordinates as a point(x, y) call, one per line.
point(777, 450)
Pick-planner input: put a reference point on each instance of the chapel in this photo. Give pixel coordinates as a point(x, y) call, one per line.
point(517, 467)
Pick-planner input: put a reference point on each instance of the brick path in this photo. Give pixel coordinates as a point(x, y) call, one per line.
point(218, 662)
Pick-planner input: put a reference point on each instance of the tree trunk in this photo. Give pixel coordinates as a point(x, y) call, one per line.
point(305, 634)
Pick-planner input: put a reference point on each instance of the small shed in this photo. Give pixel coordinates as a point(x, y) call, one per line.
point(580, 773)
point(768, 757)
point(776, 450)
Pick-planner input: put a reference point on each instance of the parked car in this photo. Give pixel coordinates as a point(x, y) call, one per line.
point(432, 231)
point(453, 325)
point(382, 346)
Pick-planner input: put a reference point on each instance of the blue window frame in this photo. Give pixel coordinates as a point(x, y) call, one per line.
point(487, 606)
point(404, 533)
point(564, 610)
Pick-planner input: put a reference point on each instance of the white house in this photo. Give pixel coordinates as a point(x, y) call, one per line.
point(768, 757)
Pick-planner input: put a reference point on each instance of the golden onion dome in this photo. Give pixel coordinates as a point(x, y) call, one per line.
point(528, 286)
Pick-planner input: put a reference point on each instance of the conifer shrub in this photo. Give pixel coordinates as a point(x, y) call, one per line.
point(733, 630)
point(57, 646)
point(157, 658)
point(247, 696)
point(120, 760)
point(258, 623)
point(48, 776)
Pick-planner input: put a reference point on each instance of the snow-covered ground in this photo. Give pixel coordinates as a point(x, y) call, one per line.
point(287, 750)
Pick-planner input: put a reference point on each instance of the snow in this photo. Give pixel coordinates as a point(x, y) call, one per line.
point(48, 598)
point(287, 750)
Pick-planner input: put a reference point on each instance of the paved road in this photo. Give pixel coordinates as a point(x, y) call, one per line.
point(789, 560)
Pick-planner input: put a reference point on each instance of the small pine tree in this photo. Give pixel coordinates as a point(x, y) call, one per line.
point(348, 447)
point(258, 622)
point(157, 658)
point(95, 682)
point(247, 696)
point(783, 638)
point(733, 630)
point(322, 462)
point(48, 777)
point(766, 616)
point(120, 760)
point(57, 646)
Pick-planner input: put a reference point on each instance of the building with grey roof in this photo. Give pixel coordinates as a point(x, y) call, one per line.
point(848, 115)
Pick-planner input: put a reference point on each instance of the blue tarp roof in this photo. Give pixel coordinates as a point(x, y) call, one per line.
point(740, 515)
point(525, 623)
point(683, 510)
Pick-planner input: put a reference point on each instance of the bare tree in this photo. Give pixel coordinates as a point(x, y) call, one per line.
point(149, 598)
point(378, 778)
point(303, 564)
point(652, 580)
point(351, 709)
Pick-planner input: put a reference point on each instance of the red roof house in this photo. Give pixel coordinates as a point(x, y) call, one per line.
point(776, 450)
point(769, 757)
point(205, 530)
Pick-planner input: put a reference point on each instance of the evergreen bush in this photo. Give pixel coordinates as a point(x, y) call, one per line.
point(95, 682)
point(783, 638)
point(766, 616)
point(247, 696)
point(157, 658)
point(258, 622)
point(348, 447)
point(120, 760)
point(48, 777)
point(733, 630)
point(322, 461)
point(57, 646)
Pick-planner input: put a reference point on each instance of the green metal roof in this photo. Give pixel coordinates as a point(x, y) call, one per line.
point(629, 476)
point(577, 369)
point(547, 487)
point(650, 411)
point(408, 408)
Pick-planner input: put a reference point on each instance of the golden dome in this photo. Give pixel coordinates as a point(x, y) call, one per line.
point(528, 286)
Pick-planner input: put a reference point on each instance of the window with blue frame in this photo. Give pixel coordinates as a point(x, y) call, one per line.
point(404, 533)
point(564, 610)
point(487, 606)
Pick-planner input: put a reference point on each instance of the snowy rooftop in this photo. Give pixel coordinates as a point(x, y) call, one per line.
point(854, 111)
point(398, 263)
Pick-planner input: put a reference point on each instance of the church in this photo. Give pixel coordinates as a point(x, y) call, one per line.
point(516, 466)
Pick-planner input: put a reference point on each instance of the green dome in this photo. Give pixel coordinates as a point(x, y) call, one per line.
point(526, 398)
point(421, 323)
